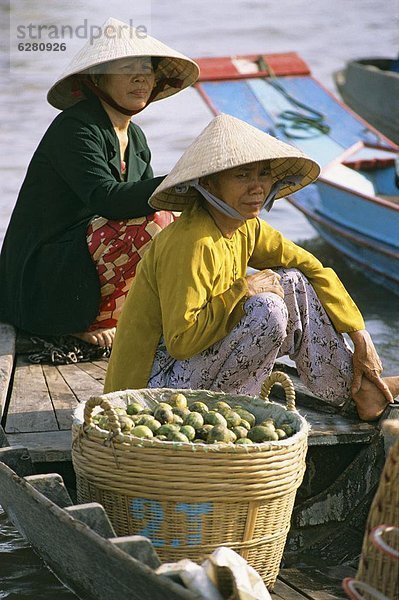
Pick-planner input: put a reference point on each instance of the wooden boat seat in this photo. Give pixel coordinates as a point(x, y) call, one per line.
point(349, 169)
point(364, 157)
point(369, 164)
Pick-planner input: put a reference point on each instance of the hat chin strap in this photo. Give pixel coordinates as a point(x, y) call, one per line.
point(157, 89)
point(229, 211)
point(276, 187)
point(221, 206)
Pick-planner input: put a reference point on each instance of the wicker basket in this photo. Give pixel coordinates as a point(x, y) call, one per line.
point(378, 569)
point(191, 498)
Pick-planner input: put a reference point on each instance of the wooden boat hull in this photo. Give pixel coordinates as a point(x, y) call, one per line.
point(78, 542)
point(327, 209)
point(371, 90)
point(79, 545)
point(344, 460)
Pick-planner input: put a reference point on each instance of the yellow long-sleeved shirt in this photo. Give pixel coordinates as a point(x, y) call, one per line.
point(190, 287)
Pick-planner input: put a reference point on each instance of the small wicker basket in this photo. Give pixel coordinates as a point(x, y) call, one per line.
point(191, 498)
point(377, 568)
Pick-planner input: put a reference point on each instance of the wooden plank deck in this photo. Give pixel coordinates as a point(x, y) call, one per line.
point(38, 401)
point(312, 583)
point(283, 591)
point(7, 353)
point(30, 408)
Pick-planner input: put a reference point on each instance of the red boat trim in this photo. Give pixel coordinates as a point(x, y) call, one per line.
point(360, 240)
point(222, 68)
point(348, 159)
point(369, 164)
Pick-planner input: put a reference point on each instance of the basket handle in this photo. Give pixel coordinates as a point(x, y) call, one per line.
point(354, 588)
point(107, 408)
point(285, 381)
point(378, 541)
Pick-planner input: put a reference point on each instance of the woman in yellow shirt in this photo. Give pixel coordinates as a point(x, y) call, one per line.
point(195, 319)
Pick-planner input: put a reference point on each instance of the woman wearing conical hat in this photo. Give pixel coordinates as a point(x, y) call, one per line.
point(82, 220)
point(195, 319)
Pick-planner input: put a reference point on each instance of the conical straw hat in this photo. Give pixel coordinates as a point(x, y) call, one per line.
point(125, 41)
point(225, 143)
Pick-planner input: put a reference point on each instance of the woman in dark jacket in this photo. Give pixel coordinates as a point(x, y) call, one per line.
point(82, 221)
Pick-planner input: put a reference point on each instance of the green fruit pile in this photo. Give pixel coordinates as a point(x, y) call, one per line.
point(176, 421)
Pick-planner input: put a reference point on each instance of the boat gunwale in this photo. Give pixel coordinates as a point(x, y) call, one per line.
point(348, 235)
point(340, 160)
point(367, 66)
point(379, 200)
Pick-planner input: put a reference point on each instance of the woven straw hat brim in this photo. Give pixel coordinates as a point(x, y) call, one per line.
point(225, 143)
point(127, 44)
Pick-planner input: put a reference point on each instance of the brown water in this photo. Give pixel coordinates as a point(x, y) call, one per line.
point(325, 33)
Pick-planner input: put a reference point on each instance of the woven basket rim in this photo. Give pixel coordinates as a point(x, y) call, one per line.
point(102, 436)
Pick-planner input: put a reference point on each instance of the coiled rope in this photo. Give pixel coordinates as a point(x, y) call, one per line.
point(295, 124)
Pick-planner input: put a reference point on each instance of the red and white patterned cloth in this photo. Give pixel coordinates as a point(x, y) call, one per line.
point(116, 248)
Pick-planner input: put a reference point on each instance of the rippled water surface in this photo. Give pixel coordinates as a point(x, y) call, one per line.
point(325, 33)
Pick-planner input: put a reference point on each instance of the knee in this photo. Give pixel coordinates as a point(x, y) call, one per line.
point(292, 277)
point(271, 315)
point(296, 286)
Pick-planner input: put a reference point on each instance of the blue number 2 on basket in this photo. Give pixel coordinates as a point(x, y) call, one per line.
point(151, 513)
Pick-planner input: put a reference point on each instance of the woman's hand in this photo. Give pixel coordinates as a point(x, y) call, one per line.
point(264, 281)
point(367, 363)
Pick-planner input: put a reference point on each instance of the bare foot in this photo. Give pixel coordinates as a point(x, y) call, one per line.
point(370, 401)
point(98, 337)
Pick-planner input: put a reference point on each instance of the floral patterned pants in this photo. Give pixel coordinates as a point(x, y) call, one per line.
point(116, 248)
point(297, 326)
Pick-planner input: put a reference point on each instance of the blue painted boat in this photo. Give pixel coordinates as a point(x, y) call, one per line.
point(355, 203)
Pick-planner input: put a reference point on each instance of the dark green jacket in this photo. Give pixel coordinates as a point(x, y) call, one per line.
point(48, 281)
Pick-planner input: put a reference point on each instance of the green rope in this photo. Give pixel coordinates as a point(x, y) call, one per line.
point(292, 119)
